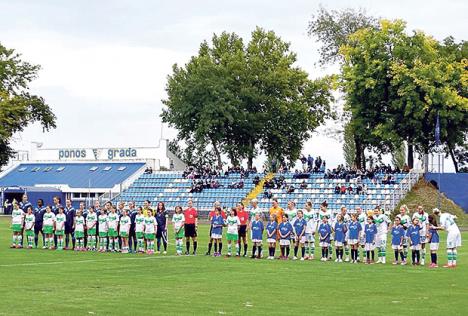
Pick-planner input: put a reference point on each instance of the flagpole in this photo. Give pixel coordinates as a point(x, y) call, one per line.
point(439, 153)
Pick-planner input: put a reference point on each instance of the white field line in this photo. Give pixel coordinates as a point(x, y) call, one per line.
point(83, 261)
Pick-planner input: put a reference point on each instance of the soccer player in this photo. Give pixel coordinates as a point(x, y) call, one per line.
point(370, 233)
point(272, 235)
point(300, 225)
point(277, 211)
point(310, 218)
point(103, 227)
point(285, 230)
point(39, 217)
point(29, 221)
point(346, 221)
point(355, 231)
point(151, 226)
point(91, 222)
point(124, 229)
point(381, 221)
point(113, 224)
point(49, 222)
point(433, 240)
point(362, 218)
point(405, 221)
point(17, 222)
point(423, 218)
point(414, 233)
point(147, 208)
point(291, 211)
point(139, 229)
point(70, 214)
point(254, 209)
point(325, 212)
point(398, 237)
point(24, 204)
point(256, 227)
point(447, 222)
point(190, 227)
point(340, 232)
point(232, 235)
point(79, 229)
point(161, 218)
point(60, 220)
point(217, 223)
point(211, 214)
point(324, 230)
point(178, 220)
point(244, 221)
point(132, 240)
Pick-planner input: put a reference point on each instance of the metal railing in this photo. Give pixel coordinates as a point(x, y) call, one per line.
point(399, 192)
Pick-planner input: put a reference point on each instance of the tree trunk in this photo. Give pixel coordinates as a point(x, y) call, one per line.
point(454, 160)
point(358, 154)
point(410, 156)
point(363, 157)
point(218, 155)
point(250, 155)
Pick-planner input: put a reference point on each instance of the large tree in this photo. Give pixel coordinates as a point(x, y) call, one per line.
point(18, 106)
point(242, 99)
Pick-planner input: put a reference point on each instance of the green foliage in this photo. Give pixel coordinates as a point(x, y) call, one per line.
point(240, 100)
point(399, 156)
point(18, 107)
point(349, 146)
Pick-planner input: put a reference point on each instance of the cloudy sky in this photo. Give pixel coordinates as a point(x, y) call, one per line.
point(104, 63)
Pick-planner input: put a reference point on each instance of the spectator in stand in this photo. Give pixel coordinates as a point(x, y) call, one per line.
point(304, 163)
point(337, 189)
point(310, 163)
point(343, 189)
point(359, 189)
point(304, 184)
point(291, 189)
point(350, 190)
point(267, 194)
point(256, 180)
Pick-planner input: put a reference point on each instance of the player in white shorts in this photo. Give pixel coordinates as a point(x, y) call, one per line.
point(423, 218)
point(325, 212)
point(346, 220)
point(447, 222)
point(310, 217)
point(382, 222)
point(405, 221)
point(362, 219)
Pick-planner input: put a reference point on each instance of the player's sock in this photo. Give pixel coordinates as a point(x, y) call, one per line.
point(245, 249)
point(237, 249)
point(347, 251)
point(288, 249)
point(215, 247)
point(330, 251)
point(116, 244)
point(307, 248)
point(313, 249)
point(396, 255)
point(259, 255)
point(326, 252)
point(454, 257)
point(403, 258)
point(296, 248)
point(337, 253)
point(433, 258)
point(423, 255)
point(158, 245)
point(303, 252)
point(229, 248)
point(273, 250)
point(195, 246)
point(373, 255)
point(14, 240)
point(210, 244)
point(187, 246)
point(282, 251)
point(418, 256)
point(323, 253)
point(254, 250)
point(413, 256)
point(384, 253)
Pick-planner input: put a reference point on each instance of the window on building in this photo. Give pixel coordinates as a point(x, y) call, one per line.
point(122, 168)
point(60, 169)
point(94, 168)
point(35, 169)
point(108, 168)
point(22, 169)
point(47, 169)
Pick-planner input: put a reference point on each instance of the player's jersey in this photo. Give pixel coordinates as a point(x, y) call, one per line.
point(447, 221)
point(102, 222)
point(285, 229)
point(113, 220)
point(340, 230)
point(140, 223)
point(29, 220)
point(397, 233)
point(79, 224)
point(370, 231)
point(178, 220)
point(324, 232)
point(232, 223)
point(125, 224)
point(423, 222)
point(354, 230)
point(49, 219)
point(60, 220)
point(322, 214)
point(434, 236)
point(382, 221)
point(309, 217)
point(405, 220)
point(150, 225)
point(272, 228)
point(217, 224)
point(254, 211)
point(91, 220)
point(413, 233)
point(300, 226)
point(17, 217)
point(362, 218)
point(257, 230)
point(291, 214)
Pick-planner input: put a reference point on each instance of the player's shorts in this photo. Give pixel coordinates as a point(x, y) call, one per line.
point(353, 241)
point(423, 239)
point(124, 234)
point(434, 246)
point(310, 238)
point(160, 232)
point(102, 234)
point(92, 232)
point(17, 228)
point(285, 242)
point(149, 236)
point(453, 239)
point(140, 235)
point(30, 233)
point(48, 229)
point(381, 240)
point(232, 237)
point(324, 244)
point(397, 247)
point(180, 234)
point(242, 231)
point(59, 232)
point(415, 247)
point(112, 232)
point(190, 230)
point(79, 234)
point(339, 244)
point(301, 240)
point(369, 246)
point(362, 240)
point(271, 240)
point(216, 236)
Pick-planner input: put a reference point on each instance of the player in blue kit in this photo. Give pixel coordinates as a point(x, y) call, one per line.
point(272, 234)
point(434, 240)
point(256, 230)
point(217, 223)
point(398, 238)
point(370, 232)
point(324, 237)
point(300, 225)
point(415, 241)
point(285, 230)
point(340, 229)
point(354, 232)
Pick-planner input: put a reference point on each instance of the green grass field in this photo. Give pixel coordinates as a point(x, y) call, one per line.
point(43, 282)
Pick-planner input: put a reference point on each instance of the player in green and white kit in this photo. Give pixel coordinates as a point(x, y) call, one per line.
point(48, 227)
point(29, 221)
point(150, 232)
point(60, 220)
point(139, 229)
point(362, 219)
point(124, 230)
point(91, 222)
point(17, 222)
point(423, 218)
point(405, 221)
point(254, 210)
point(79, 227)
point(178, 220)
point(291, 211)
point(346, 220)
point(113, 224)
point(310, 217)
point(382, 222)
point(233, 223)
point(103, 228)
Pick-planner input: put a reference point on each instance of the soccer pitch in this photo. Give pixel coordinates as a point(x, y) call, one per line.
point(44, 282)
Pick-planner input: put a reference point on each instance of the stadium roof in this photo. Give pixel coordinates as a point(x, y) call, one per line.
point(75, 175)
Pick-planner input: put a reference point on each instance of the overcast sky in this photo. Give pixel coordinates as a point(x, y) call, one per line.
point(104, 63)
